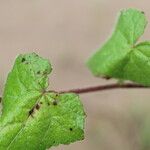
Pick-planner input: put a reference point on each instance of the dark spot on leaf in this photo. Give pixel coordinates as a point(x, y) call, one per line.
point(23, 60)
point(57, 94)
point(55, 102)
point(45, 72)
point(142, 12)
point(106, 77)
point(31, 112)
point(38, 72)
point(85, 114)
point(41, 103)
point(37, 106)
point(54, 142)
point(48, 103)
point(70, 129)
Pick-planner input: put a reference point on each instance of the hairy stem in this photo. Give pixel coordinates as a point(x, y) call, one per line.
point(104, 87)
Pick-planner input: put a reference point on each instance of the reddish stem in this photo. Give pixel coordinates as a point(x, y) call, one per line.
point(103, 87)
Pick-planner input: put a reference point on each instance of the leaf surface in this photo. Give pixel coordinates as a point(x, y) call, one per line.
point(33, 119)
point(121, 57)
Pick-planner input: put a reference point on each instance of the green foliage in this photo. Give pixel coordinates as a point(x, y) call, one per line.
point(120, 57)
point(33, 119)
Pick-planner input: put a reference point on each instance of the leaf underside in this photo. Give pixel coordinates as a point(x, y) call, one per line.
point(33, 119)
point(121, 56)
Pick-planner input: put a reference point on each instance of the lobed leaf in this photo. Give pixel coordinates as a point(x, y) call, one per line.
point(121, 57)
point(33, 119)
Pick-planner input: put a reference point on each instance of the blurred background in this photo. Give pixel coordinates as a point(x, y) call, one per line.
point(67, 32)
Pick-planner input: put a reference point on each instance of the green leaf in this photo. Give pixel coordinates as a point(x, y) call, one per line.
point(120, 57)
point(33, 119)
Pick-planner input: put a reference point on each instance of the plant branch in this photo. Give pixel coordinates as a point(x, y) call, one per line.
point(100, 88)
point(104, 87)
